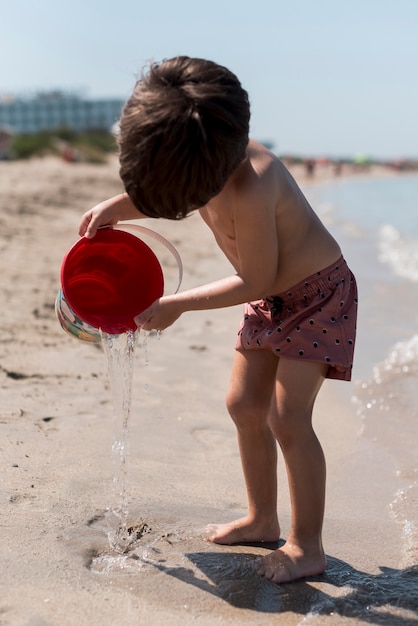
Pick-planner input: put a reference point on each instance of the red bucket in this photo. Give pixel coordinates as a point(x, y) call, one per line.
point(110, 279)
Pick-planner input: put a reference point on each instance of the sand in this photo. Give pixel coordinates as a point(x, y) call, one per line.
point(57, 429)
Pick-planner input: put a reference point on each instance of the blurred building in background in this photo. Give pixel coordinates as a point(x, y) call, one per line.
point(56, 109)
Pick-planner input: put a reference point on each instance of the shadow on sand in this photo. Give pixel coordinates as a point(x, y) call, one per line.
point(386, 598)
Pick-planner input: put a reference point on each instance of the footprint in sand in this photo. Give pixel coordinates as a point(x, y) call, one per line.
point(217, 440)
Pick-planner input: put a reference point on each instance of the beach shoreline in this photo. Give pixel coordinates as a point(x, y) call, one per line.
point(184, 469)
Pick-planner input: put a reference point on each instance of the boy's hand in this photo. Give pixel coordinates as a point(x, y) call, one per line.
point(161, 314)
point(100, 215)
point(108, 213)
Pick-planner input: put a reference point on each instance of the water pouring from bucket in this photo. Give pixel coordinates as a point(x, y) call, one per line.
point(105, 282)
point(108, 280)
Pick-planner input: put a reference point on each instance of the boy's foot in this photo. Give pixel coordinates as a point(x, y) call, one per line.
point(242, 531)
point(289, 563)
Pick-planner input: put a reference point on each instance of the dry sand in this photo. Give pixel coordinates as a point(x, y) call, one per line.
point(56, 423)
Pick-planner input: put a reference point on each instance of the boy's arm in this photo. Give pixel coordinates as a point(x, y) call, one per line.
point(258, 254)
point(108, 212)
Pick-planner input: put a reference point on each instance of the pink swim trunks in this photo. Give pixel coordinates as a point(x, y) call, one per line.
point(315, 321)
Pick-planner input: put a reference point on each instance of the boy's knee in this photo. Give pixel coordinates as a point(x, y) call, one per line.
point(235, 405)
point(246, 409)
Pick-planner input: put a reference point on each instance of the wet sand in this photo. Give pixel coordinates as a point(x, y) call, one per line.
point(56, 421)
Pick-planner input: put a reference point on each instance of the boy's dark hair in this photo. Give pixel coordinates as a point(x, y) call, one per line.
point(182, 133)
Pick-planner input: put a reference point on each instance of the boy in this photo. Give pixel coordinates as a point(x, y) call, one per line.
point(184, 146)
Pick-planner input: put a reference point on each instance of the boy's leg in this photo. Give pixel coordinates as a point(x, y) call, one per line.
point(297, 384)
point(249, 403)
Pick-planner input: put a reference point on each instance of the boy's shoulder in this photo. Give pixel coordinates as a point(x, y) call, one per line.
point(261, 174)
point(262, 180)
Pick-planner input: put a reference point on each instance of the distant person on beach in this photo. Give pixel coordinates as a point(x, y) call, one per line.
point(309, 167)
point(184, 147)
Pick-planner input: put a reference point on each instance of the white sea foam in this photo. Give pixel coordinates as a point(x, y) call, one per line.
point(398, 251)
point(389, 383)
point(405, 502)
point(387, 404)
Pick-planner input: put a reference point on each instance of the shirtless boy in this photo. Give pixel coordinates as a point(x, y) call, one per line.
point(183, 147)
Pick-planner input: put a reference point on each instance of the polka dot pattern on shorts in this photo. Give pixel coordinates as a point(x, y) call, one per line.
point(315, 321)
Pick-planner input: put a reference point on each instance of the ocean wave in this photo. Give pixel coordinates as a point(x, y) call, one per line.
point(387, 405)
point(393, 383)
point(399, 252)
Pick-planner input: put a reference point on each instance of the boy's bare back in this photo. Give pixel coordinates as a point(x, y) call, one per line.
point(265, 226)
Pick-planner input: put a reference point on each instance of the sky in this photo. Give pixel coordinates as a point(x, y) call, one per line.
point(325, 77)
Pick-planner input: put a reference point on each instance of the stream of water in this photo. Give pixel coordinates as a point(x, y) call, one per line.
point(119, 351)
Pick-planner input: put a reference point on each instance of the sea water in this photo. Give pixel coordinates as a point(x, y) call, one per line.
point(376, 221)
point(386, 209)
